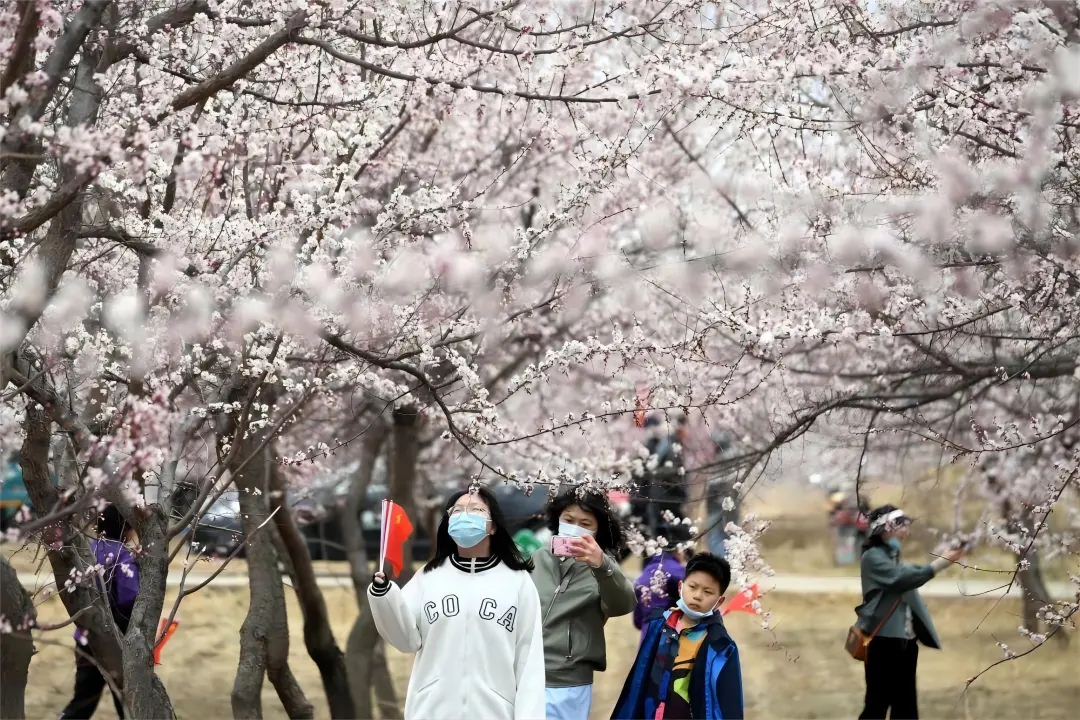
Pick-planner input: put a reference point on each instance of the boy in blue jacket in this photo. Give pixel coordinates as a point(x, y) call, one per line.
point(687, 665)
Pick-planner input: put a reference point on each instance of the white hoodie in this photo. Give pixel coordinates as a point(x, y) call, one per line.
point(475, 627)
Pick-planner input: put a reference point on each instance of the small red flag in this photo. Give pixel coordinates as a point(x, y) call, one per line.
point(396, 529)
point(743, 602)
point(164, 638)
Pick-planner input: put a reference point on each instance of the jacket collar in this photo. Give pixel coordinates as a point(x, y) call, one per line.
point(474, 565)
point(672, 618)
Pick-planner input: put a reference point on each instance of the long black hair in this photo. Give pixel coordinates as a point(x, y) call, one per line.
point(609, 532)
point(502, 545)
point(111, 524)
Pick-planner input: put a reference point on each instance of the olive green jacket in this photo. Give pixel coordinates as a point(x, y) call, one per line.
point(884, 580)
point(575, 602)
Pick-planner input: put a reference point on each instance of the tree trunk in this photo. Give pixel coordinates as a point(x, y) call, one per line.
point(144, 694)
point(365, 653)
point(318, 637)
point(366, 662)
point(129, 659)
point(16, 647)
point(70, 551)
point(264, 636)
point(351, 529)
point(1036, 594)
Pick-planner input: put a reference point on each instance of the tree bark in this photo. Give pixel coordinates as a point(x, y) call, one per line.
point(1036, 594)
point(70, 551)
point(318, 637)
point(129, 659)
point(264, 636)
point(364, 652)
point(144, 694)
point(16, 647)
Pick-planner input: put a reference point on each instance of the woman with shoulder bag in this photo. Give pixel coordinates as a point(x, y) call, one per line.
point(581, 586)
point(894, 615)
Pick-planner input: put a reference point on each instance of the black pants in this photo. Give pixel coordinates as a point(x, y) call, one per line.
point(88, 686)
point(890, 679)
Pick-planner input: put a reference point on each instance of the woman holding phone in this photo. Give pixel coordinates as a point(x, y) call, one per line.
point(472, 616)
point(581, 586)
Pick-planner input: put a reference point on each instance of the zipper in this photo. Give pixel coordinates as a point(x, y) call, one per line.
point(560, 587)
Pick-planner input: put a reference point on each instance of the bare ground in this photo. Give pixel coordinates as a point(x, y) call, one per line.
point(797, 671)
point(800, 671)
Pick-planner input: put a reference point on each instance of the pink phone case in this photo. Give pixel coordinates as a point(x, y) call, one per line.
point(560, 546)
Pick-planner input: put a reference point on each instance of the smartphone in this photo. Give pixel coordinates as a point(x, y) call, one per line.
point(560, 546)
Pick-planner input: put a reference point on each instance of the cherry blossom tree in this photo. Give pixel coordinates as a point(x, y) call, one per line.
point(215, 216)
point(915, 223)
point(236, 237)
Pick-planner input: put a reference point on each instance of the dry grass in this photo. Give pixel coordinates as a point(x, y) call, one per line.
point(805, 674)
point(800, 672)
point(798, 540)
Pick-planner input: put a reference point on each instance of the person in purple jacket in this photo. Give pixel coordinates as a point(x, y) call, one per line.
point(657, 587)
point(120, 585)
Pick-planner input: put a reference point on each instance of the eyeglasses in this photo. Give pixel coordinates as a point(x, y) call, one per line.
point(465, 510)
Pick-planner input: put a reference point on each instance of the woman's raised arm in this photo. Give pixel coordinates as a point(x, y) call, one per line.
point(396, 610)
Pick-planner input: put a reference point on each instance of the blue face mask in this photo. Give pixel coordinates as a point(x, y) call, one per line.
point(467, 529)
point(689, 613)
point(570, 530)
point(894, 543)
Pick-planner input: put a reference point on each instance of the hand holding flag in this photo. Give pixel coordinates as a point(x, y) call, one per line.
point(396, 529)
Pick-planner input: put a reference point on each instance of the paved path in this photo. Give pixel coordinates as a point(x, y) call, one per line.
point(948, 586)
point(951, 585)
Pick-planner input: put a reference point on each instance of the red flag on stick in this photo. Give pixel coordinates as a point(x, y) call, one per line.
point(396, 529)
point(164, 638)
point(743, 602)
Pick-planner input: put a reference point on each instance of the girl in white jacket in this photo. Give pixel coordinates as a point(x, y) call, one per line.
point(472, 616)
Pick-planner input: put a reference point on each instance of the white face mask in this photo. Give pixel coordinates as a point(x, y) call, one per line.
point(570, 530)
point(691, 613)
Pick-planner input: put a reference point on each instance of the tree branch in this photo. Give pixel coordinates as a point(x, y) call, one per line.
point(207, 88)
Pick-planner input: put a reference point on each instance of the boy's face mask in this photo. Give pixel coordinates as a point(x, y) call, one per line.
point(692, 614)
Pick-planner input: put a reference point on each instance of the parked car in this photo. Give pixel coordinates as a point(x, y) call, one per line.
point(370, 519)
point(219, 530)
point(13, 495)
point(319, 511)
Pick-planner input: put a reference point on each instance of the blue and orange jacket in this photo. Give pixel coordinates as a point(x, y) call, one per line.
point(715, 690)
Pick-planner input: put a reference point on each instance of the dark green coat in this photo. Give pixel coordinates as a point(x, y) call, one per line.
point(884, 579)
point(575, 602)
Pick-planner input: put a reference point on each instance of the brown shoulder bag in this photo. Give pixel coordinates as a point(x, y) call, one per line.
point(857, 641)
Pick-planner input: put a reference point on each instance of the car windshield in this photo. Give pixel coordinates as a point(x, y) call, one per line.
point(225, 506)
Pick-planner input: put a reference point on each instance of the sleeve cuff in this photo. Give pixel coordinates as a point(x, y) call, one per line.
point(378, 590)
point(607, 567)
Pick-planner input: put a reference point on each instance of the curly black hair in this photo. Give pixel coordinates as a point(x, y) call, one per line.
point(609, 532)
